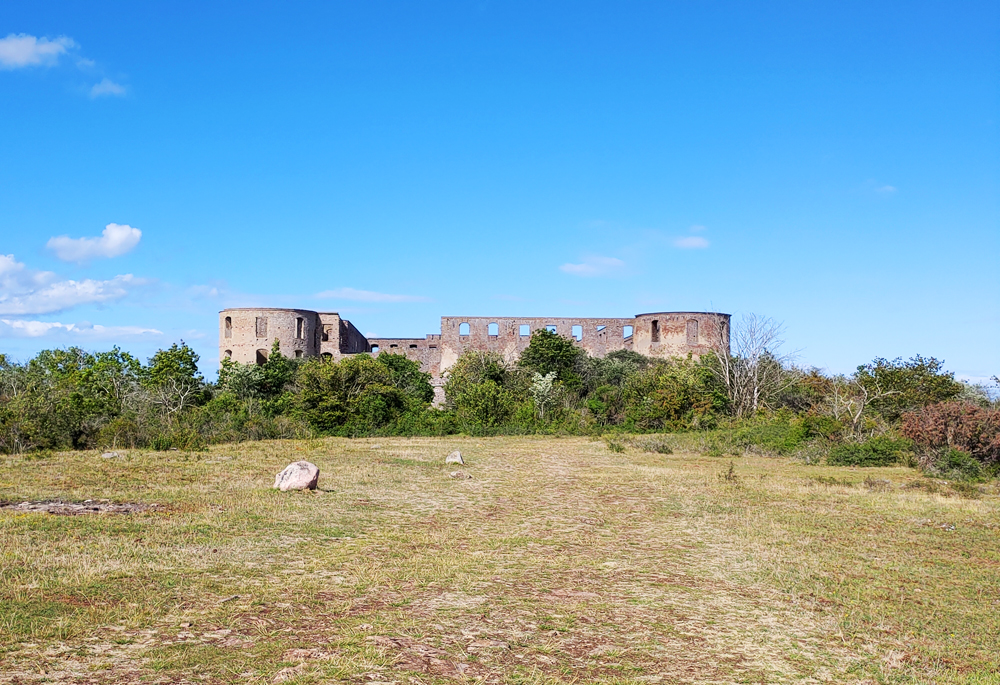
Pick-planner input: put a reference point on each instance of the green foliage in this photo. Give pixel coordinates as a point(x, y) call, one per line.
point(357, 395)
point(896, 387)
point(780, 434)
point(955, 464)
point(880, 450)
point(673, 395)
point(549, 352)
point(485, 392)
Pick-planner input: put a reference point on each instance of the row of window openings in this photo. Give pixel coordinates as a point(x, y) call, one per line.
point(261, 328)
point(375, 348)
point(524, 330)
point(261, 355)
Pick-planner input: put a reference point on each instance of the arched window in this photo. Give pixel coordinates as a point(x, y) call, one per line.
point(298, 354)
point(229, 354)
point(577, 332)
point(626, 331)
point(326, 356)
point(463, 328)
point(261, 357)
point(375, 349)
point(493, 329)
point(327, 329)
point(229, 326)
point(692, 332)
point(654, 334)
point(300, 332)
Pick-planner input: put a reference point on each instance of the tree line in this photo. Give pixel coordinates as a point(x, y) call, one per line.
point(747, 398)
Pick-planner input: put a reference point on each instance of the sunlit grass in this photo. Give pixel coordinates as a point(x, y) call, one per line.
point(559, 561)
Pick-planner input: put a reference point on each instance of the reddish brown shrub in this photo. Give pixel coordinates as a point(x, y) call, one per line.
point(963, 426)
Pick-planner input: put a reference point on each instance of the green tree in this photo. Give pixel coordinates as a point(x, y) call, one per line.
point(895, 387)
point(173, 379)
point(548, 352)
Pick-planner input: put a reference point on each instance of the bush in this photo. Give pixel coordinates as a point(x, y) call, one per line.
point(881, 450)
point(963, 426)
point(953, 464)
point(778, 434)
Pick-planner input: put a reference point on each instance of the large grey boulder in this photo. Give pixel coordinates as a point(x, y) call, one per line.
point(299, 475)
point(454, 458)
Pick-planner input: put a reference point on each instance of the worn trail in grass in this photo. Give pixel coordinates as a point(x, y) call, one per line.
point(558, 561)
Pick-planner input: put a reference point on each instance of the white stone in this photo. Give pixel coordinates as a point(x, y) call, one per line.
point(454, 458)
point(299, 475)
point(110, 455)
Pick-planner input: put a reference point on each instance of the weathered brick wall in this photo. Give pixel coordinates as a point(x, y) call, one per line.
point(306, 333)
point(244, 333)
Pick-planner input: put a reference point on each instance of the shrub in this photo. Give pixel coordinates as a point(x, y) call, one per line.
point(960, 425)
point(881, 450)
point(779, 435)
point(899, 386)
point(954, 464)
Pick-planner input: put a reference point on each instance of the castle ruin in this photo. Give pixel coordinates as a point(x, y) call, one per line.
point(246, 335)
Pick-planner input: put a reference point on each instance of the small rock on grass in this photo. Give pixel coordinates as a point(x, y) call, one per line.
point(110, 455)
point(299, 475)
point(454, 458)
point(459, 474)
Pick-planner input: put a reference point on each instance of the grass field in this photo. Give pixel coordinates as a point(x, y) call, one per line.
point(557, 561)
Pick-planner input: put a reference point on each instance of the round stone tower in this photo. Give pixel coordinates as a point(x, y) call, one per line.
point(246, 335)
point(677, 334)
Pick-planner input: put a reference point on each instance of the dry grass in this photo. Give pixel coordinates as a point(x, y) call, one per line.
point(558, 561)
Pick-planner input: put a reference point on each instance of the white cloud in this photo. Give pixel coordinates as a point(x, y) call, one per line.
point(595, 265)
point(885, 189)
point(106, 87)
point(691, 242)
point(367, 296)
point(115, 240)
point(36, 329)
point(24, 291)
point(21, 50)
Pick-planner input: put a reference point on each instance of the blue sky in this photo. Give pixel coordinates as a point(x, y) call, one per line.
point(831, 165)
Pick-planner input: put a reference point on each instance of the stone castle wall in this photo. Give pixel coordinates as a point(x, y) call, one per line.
point(246, 335)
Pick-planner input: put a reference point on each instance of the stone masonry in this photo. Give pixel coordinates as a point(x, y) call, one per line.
point(246, 335)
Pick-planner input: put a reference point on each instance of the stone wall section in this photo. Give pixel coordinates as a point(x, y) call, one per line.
point(246, 335)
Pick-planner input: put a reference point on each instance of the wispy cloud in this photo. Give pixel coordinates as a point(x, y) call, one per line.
point(37, 329)
point(114, 241)
point(885, 189)
point(691, 242)
point(24, 291)
point(106, 87)
point(594, 265)
point(19, 50)
point(367, 296)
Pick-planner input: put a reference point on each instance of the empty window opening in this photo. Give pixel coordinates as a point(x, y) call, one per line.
point(524, 330)
point(327, 330)
point(374, 349)
point(413, 347)
point(298, 354)
point(261, 357)
point(601, 328)
point(300, 328)
point(655, 331)
point(432, 347)
point(463, 328)
point(692, 332)
point(493, 329)
point(626, 331)
point(392, 347)
point(229, 354)
point(577, 332)
point(229, 326)
point(261, 326)
point(551, 328)
point(326, 356)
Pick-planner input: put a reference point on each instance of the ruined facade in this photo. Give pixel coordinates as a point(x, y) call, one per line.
point(246, 335)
